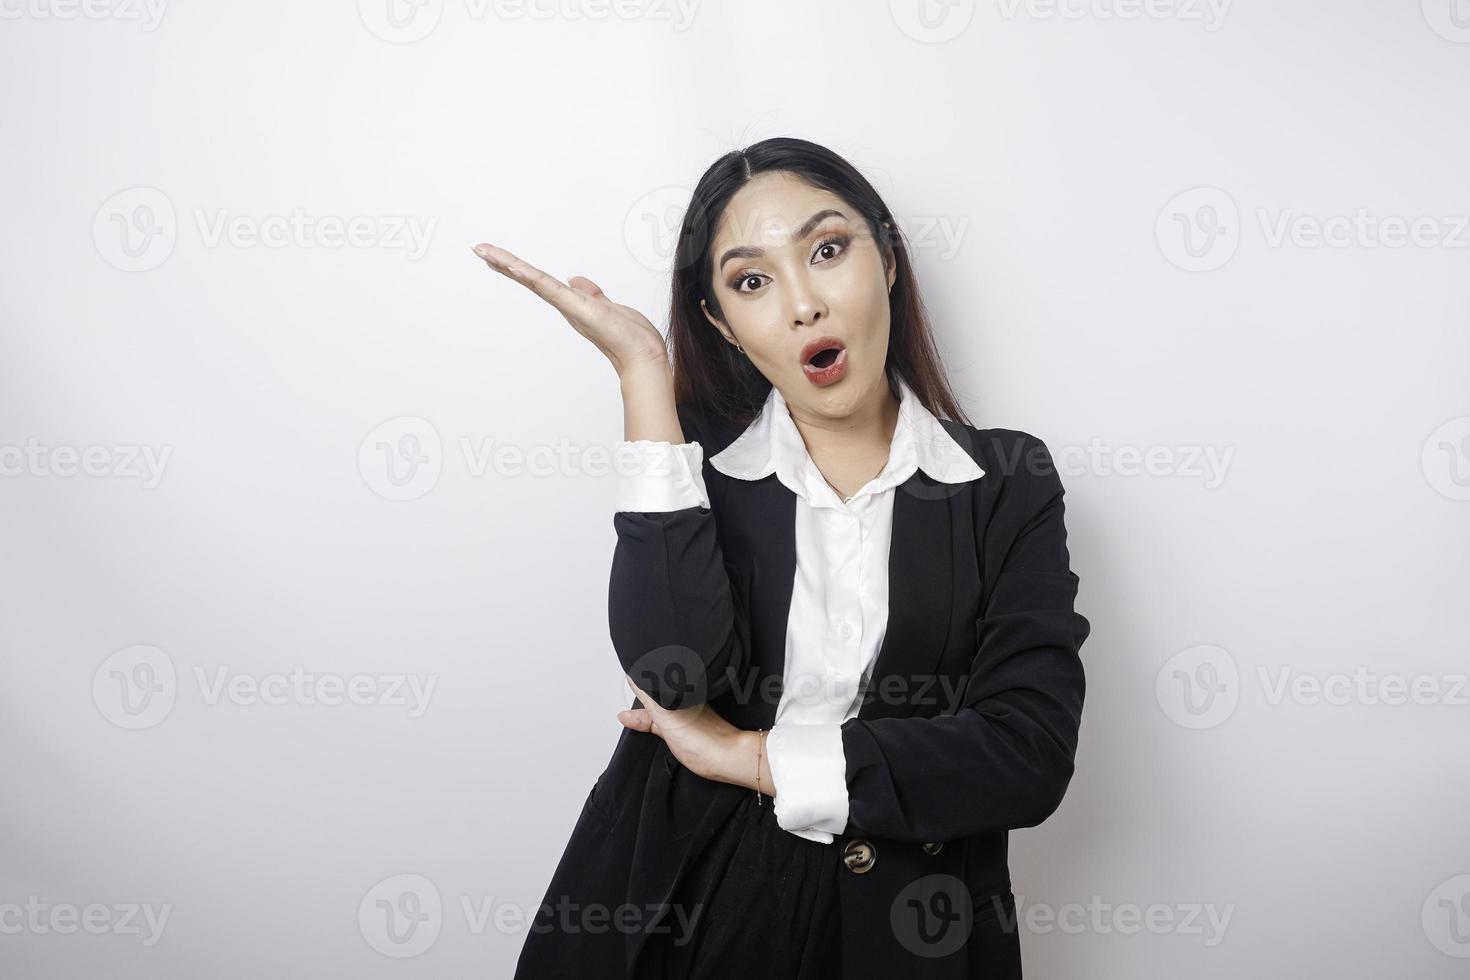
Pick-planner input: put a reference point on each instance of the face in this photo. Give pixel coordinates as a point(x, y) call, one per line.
point(795, 268)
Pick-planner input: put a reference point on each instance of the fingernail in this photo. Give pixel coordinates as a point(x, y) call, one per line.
point(483, 251)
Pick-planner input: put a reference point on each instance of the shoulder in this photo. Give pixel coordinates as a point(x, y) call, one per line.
point(1006, 455)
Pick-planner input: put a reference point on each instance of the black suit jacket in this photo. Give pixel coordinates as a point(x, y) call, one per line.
point(967, 730)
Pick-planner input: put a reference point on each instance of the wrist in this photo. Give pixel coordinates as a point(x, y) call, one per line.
point(738, 763)
point(644, 371)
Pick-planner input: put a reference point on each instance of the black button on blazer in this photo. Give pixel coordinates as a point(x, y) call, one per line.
point(967, 728)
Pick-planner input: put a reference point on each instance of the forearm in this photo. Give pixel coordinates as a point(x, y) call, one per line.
point(736, 763)
point(679, 627)
point(648, 404)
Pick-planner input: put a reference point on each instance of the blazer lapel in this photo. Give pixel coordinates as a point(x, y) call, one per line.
point(920, 597)
point(920, 592)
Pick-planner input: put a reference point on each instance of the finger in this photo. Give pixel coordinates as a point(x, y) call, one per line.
point(636, 719)
point(639, 691)
point(548, 287)
point(584, 285)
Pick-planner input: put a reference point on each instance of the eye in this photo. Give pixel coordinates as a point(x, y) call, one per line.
point(837, 241)
point(742, 279)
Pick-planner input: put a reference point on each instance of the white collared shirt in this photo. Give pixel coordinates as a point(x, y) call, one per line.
point(839, 599)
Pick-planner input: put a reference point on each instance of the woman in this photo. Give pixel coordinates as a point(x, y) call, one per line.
point(848, 622)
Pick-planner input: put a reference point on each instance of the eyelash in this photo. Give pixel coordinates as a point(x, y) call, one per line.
point(842, 240)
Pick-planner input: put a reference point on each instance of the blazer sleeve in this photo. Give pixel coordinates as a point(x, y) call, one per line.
point(1003, 758)
point(679, 628)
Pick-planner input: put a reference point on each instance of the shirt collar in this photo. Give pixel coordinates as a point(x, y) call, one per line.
point(773, 444)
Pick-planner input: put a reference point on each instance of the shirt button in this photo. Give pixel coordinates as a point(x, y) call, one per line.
point(845, 629)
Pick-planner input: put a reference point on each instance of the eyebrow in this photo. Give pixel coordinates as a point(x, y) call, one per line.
point(752, 252)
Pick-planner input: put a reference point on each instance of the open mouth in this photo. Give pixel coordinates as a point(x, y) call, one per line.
point(822, 352)
point(824, 360)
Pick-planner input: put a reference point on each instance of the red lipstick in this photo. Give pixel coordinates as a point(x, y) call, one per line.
point(824, 360)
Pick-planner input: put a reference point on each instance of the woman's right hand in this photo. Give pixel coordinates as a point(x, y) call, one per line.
point(623, 334)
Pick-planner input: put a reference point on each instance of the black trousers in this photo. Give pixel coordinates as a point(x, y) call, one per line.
point(763, 903)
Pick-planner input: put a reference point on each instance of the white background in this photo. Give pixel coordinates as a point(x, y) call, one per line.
point(1113, 223)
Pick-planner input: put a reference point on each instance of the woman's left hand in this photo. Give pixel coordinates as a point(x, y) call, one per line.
point(698, 737)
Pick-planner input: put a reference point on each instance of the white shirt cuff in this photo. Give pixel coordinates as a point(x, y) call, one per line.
point(654, 476)
point(810, 773)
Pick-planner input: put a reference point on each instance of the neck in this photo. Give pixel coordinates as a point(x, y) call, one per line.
point(846, 447)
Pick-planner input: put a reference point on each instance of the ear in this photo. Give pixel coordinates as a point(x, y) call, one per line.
point(890, 262)
point(716, 322)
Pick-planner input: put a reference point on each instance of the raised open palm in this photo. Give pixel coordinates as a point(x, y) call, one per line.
point(623, 334)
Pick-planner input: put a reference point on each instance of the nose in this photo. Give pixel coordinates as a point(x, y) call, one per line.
point(806, 307)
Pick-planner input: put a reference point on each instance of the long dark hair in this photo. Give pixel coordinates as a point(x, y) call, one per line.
point(718, 381)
